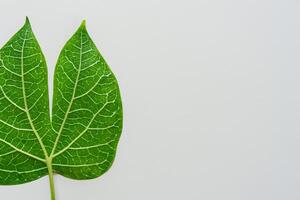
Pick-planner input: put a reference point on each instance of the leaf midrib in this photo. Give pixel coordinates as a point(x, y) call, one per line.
point(25, 101)
point(52, 155)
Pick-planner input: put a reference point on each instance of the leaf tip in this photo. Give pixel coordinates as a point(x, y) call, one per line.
point(27, 22)
point(83, 23)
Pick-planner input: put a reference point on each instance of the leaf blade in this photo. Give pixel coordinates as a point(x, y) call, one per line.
point(87, 110)
point(24, 116)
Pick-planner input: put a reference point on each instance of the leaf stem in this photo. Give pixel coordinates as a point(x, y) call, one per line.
point(51, 180)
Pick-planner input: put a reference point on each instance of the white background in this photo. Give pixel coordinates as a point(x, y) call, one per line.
point(211, 94)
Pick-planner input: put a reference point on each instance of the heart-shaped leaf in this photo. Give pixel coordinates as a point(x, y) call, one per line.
point(79, 141)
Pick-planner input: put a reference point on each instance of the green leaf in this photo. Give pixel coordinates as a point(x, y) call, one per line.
point(24, 114)
point(87, 110)
point(81, 138)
